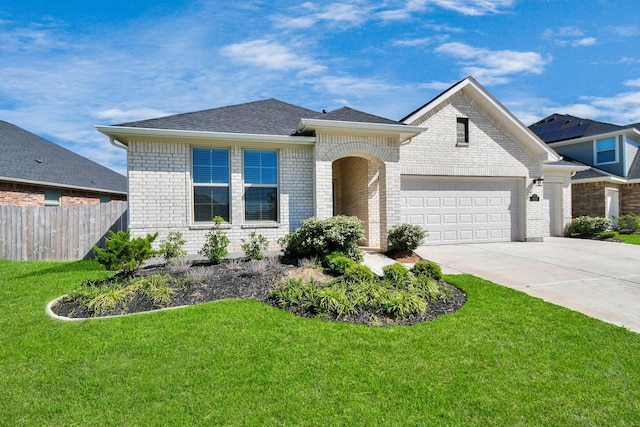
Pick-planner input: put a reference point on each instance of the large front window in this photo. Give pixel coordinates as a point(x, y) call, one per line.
point(210, 184)
point(260, 185)
point(606, 150)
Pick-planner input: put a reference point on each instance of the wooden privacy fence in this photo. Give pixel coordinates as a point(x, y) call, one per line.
point(57, 233)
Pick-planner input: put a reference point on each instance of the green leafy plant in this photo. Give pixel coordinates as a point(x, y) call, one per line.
point(396, 273)
point(586, 226)
point(124, 253)
point(406, 237)
point(318, 238)
point(216, 244)
point(338, 262)
point(628, 223)
point(427, 269)
point(255, 246)
point(403, 304)
point(358, 272)
point(171, 248)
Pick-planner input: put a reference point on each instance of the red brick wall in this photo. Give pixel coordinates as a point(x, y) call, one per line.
point(589, 199)
point(15, 194)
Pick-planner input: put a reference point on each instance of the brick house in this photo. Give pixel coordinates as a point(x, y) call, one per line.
point(461, 166)
point(37, 172)
point(610, 186)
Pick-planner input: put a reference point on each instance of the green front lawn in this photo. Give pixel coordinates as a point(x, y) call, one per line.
point(633, 239)
point(504, 359)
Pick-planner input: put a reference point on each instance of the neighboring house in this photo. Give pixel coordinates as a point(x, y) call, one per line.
point(37, 172)
point(612, 185)
point(461, 166)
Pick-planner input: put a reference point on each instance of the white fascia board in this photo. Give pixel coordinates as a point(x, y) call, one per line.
point(404, 132)
point(124, 133)
point(611, 179)
point(568, 168)
point(59, 185)
point(628, 132)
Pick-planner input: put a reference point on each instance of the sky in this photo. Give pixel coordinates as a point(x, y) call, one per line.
point(66, 66)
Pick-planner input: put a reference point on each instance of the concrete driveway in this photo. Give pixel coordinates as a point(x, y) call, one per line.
point(599, 279)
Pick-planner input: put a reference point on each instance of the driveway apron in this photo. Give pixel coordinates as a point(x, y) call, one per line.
point(599, 279)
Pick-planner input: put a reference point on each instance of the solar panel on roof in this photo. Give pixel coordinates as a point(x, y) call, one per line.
point(575, 132)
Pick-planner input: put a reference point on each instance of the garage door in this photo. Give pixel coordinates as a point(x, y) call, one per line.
point(461, 211)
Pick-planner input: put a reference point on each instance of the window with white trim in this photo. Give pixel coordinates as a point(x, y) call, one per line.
point(210, 184)
point(606, 151)
point(260, 185)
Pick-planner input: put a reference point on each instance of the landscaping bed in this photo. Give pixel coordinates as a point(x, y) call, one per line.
point(182, 283)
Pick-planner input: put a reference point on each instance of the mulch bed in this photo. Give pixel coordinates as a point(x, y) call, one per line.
point(245, 280)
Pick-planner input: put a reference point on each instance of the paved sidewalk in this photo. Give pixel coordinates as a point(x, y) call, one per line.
point(599, 279)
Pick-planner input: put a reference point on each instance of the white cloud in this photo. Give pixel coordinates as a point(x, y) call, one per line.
point(624, 30)
point(632, 82)
point(494, 66)
point(568, 36)
point(117, 115)
point(475, 7)
point(271, 55)
point(440, 86)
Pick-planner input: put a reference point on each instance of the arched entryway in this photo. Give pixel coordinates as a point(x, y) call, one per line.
point(358, 189)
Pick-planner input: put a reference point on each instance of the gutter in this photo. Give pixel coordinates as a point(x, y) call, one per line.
point(61, 185)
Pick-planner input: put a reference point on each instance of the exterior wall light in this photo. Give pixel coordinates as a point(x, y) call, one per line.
point(538, 181)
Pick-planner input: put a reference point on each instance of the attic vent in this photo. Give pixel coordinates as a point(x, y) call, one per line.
point(566, 122)
point(37, 161)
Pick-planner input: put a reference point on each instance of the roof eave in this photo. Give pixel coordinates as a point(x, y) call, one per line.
point(60, 185)
point(403, 132)
point(568, 168)
point(124, 134)
point(628, 131)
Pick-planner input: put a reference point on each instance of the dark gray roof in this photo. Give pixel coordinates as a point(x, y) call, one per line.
point(562, 127)
point(346, 114)
point(26, 156)
point(266, 117)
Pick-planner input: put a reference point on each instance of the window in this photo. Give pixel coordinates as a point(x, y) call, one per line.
point(462, 131)
point(51, 197)
point(606, 150)
point(260, 185)
point(105, 198)
point(210, 184)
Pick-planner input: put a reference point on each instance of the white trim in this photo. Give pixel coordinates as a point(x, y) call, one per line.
point(404, 132)
point(626, 132)
point(59, 185)
point(124, 134)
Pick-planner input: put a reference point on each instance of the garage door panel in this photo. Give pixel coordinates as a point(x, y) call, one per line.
point(455, 211)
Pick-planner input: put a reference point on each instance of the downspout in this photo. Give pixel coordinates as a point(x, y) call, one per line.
point(117, 144)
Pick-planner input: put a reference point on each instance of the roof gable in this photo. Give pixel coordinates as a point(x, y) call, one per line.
point(30, 158)
point(484, 99)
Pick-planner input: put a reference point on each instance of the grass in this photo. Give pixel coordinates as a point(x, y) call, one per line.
point(633, 239)
point(504, 359)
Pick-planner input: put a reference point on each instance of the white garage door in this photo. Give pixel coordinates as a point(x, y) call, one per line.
point(461, 211)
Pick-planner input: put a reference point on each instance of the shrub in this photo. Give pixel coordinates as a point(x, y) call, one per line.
point(216, 245)
point(403, 304)
point(406, 237)
point(339, 262)
point(586, 226)
point(397, 273)
point(427, 269)
point(358, 273)
point(124, 253)
point(171, 248)
point(629, 223)
point(318, 238)
point(255, 246)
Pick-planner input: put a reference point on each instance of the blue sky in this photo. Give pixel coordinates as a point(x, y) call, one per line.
point(66, 66)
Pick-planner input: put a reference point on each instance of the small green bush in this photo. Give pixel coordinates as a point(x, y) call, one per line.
point(396, 273)
point(427, 269)
point(254, 247)
point(358, 272)
point(586, 226)
point(171, 249)
point(216, 245)
point(627, 224)
point(124, 253)
point(318, 238)
point(406, 237)
point(338, 262)
point(403, 304)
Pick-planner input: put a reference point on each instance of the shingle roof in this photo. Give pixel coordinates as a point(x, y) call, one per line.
point(26, 156)
point(266, 117)
point(561, 127)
